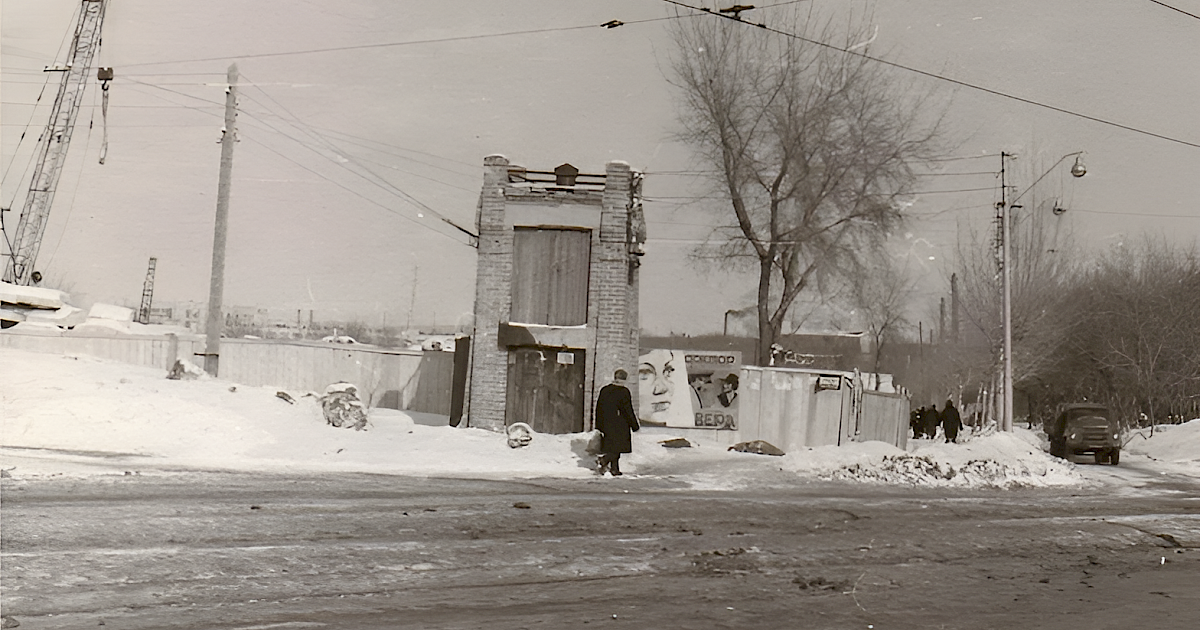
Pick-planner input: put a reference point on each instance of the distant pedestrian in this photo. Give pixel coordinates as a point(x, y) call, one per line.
point(616, 420)
point(931, 421)
point(914, 421)
point(951, 422)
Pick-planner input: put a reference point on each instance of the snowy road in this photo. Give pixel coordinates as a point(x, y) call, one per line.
point(195, 550)
point(1138, 474)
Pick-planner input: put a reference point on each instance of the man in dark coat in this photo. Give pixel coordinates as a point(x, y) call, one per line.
point(616, 420)
point(931, 421)
point(951, 422)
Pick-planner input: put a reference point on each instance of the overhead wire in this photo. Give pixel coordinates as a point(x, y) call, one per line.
point(216, 115)
point(87, 142)
point(1164, 4)
point(352, 191)
point(343, 186)
point(468, 168)
point(1140, 214)
point(939, 77)
point(460, 38)
point(62, 45)
point(384, 183)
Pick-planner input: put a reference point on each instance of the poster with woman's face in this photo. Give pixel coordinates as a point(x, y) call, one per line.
point(663, 388)
point(694, 388)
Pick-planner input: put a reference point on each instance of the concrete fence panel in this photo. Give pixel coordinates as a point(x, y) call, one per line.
point(390, 378)
point(145, 350)
point(884, 417)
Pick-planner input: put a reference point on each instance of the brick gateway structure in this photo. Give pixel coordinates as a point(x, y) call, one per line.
point(556, 296)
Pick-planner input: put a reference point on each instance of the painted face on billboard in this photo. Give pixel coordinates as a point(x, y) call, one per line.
point(658, 373)
point(688, 388)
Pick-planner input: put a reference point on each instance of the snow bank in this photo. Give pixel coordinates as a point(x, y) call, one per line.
point(62, 412)
point(1001, 460)
point(132, 414)
point(1179, 443)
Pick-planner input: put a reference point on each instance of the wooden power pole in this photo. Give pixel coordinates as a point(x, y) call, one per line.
point(216, 289)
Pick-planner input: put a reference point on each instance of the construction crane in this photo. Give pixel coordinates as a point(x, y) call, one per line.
point(147, 292)
point(52, 149)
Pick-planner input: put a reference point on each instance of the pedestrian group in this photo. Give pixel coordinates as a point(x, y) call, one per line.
point(924, 422)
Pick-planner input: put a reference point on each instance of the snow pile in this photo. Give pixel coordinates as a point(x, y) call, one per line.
point(78, 408)
point(1178, 443)
point(1000, 460)
point(84, 416)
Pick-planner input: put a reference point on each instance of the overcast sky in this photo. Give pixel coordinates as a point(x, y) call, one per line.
point(349, 151)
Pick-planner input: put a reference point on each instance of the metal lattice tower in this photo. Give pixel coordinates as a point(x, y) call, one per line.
point(147, 293)
point(52, 150)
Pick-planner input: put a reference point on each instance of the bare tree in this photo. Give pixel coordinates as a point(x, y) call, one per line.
point(1142, 332)
point(809, 145)
point(1044, 264)
point(880, 294)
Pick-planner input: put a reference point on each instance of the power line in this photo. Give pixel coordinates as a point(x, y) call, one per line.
point(471, 168)
point(93, 106)
point(721, 198)
point(413, 42)
point(1141, 214)
point(352, 191)
point(961, 190)
point(310, 51)
point(340, 185)
point(939, 77)
point(397, 190)
point(1164, 4)
point(964, 157)
point(191, 96)
point(20, 140)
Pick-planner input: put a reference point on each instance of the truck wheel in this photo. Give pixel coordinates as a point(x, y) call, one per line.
point(1115, 457)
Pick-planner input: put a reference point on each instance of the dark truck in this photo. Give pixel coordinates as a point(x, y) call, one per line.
point(1081, 428)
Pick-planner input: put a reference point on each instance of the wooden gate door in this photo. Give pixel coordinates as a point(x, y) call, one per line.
point(545, 389)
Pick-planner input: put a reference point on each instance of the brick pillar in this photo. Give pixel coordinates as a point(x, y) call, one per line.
point(609, 286)
point(493, 299)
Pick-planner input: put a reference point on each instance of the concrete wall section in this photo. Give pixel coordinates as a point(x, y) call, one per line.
point(157, 351)
point(380, 375)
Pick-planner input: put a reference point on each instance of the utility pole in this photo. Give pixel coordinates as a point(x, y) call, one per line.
point(412, 301)
point(1005, 279)
point(216, 289)
point(941, 338)
point(954, 307)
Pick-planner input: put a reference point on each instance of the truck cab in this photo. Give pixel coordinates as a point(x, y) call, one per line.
point(1085, 428)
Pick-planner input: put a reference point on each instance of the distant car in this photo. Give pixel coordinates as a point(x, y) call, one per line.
point(1082, 428)
point(338, 339)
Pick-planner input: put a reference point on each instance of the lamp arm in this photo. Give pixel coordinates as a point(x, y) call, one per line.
point(1043, 176)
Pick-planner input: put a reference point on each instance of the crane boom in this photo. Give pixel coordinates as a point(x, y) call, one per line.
point(52, 149)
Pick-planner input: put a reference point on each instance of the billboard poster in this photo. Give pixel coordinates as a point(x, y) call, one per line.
point(689, 388)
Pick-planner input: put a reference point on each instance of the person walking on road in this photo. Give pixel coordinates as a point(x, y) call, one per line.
point(951, 422)
point(914, 421)
point(616, 420)
point(932, 417)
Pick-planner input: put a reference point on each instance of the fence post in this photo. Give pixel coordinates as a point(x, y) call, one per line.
point(172, 350)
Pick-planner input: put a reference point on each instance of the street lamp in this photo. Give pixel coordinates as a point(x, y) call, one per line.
point(1077, 170)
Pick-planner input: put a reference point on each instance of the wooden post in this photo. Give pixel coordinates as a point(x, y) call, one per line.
point(216, 289)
